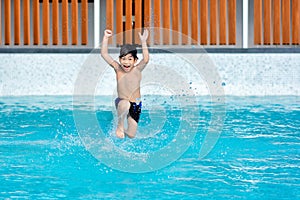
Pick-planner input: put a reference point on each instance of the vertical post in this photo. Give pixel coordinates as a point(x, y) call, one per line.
point(213, 22)
point(55, 22)
point(109, 16)
point(119, 22)
point(36, 22)
point(147, 15)
point(296, 22)
point(245, 23)
point(84, 22)
point(46, 22)
point(286, 22)
point(276, 22)
point(222, 22)
point(157, 19)
point(185, 21)
point(232, 22)
point(195, 21)
point(267, 22)
point(204, 21)
point(26, 16)
point(17, 24)
point(257, 21)
point(74, 22)
point(7, 12)
point(166, 21)
point(128, 23)
point(96, 24)
point(138, 20)
point(65, 24)
point(175, 23)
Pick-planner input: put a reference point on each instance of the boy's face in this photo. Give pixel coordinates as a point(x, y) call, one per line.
point(127, 62)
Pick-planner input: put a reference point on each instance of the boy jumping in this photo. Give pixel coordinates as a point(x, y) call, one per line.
point(128, 75)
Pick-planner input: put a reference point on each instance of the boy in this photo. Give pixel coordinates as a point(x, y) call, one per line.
point(128, 74)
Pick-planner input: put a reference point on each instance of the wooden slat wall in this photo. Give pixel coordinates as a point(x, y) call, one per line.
point(40, 10)
point(222, 22)
point(119, 22)
point(283, 16)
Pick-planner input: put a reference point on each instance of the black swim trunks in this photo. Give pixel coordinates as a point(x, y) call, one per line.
point(134, 110)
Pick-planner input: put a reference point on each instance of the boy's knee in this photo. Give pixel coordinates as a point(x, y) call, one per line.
point(124, 105)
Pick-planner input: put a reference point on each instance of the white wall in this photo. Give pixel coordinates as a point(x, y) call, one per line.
point(240, 74)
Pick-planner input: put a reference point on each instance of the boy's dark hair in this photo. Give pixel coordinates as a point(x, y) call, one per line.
point(128, 49)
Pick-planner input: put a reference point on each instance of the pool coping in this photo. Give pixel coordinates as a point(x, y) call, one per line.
point(156, 49)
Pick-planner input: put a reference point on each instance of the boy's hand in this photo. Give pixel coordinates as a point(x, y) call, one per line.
point(107, 33)
point(144, 37)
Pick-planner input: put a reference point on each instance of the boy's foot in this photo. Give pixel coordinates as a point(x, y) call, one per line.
point(120, 133)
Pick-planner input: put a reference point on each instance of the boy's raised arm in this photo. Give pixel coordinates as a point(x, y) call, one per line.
point(145, 59)
point(104, 50)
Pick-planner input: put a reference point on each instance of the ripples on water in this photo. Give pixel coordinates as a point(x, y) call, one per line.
point(256, 157)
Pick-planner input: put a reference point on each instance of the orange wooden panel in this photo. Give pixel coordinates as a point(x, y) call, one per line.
point(232, 22)
point(276, 22)
point(7, 12)
point(128, 22)
point(175, 22)
point(36, 22)
point(296, 22)
point(195, 21)
point(55, 22)
point(119, 22)
point(46, 22)
point(222, 22)
point(285, 6)
point(17, 24)
point(213, 22)
point(147, 16)
point(257, 21)
point(74, 22)
point(26, 16)
point(65, 22)
point(267, 22)
point(185, 21)
point(156, 21)
point(166, 21)
point(109, 14)
point(203, 21)
point(138, 20)
point(84, 22)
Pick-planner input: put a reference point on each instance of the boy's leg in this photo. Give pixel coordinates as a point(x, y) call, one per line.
point(132, 127)
point(123, 109)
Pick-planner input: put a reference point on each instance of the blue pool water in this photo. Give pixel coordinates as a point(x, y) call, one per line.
point(257, 155)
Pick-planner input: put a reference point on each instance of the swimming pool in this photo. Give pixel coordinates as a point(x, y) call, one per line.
point(256, 157)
